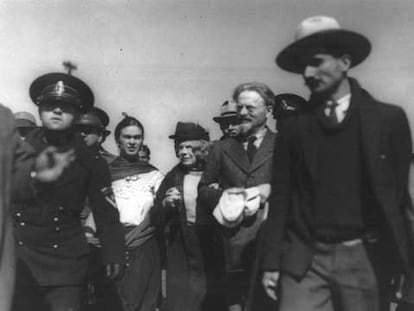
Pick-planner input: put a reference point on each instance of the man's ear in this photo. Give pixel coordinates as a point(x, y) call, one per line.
point(345, 61)
point(269, 110)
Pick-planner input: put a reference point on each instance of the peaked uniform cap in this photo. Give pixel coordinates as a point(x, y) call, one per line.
point(61, 87)
point(25, 119)
point(322, 32)
point(287, 104)
point(94, 117)
point(228, 111)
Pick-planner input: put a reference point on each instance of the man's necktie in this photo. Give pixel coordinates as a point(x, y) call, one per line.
point(251, 148)
point(331, 113)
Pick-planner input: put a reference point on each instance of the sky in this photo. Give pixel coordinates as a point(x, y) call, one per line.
point(164, 61)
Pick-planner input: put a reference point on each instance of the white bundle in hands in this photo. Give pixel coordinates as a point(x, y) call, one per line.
point(235, 204)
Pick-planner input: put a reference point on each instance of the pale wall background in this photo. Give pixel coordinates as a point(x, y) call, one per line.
point(165, 61)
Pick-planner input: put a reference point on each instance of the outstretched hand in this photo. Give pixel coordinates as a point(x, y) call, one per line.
point(50, 164)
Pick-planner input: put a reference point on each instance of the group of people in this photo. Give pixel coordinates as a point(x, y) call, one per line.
point(315, 215)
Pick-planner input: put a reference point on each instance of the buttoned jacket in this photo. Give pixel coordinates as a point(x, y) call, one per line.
point(51, 245)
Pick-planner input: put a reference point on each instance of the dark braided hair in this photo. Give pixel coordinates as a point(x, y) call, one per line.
point(125, 122)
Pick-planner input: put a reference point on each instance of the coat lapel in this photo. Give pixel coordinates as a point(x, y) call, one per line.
point(265, 150)
point(236, 153)
point(369, 127)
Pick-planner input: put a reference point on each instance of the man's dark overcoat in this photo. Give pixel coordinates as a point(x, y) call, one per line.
point(51, 244)
point(385, 142)
point(229, 166)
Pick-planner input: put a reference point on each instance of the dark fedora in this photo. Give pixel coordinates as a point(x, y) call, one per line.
point(322, 32)
point(61, 87)
point(287, 104)
point(94, 117)
point(228, 111)
point(189, 131)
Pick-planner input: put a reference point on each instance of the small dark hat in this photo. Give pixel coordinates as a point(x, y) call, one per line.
point(64, 87)
point(322, 32)
point(228, 111)
point(288, 104)
point(95, 117)
point(25, 119)
point(189, 131)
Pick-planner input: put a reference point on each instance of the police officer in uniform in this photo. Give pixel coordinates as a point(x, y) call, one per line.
point(92, 127)
point(52, 250)
point(98, 294)
point(286, 106)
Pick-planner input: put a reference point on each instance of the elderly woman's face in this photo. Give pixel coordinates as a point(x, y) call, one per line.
point(185, 153)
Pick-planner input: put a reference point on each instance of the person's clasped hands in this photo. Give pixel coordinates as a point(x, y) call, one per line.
point(172, 197)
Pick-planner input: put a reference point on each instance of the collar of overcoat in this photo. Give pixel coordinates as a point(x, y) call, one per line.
point(235, 151)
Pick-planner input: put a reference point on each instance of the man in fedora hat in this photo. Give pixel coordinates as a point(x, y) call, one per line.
point(337, 229)
point(51, 246)
point(237, 164)
point(25, 123)
point(228, 119)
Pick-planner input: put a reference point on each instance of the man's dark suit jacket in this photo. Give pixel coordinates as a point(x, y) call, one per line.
point(386, 147)
point(229, 166)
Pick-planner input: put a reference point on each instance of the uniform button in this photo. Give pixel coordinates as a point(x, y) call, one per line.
point(383, 156)
point(57, 229)
point(20, 243)
point(55, 246)
point(18, 214)
point(22, 223)
point(55, 219)
point(61, 208)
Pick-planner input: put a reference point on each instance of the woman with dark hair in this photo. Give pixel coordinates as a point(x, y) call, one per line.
point(134, 184)
point(193, 253)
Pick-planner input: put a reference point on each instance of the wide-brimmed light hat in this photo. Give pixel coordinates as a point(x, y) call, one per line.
point(322, 32)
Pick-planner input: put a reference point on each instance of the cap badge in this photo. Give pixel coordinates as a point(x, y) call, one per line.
point(59, 88)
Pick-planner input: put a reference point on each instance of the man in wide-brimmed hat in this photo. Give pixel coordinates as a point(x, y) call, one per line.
point(337, 226)
point(51, 247)
point(228, 119)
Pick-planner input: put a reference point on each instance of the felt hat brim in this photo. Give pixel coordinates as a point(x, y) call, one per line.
point(352, 43)
point(228, 117)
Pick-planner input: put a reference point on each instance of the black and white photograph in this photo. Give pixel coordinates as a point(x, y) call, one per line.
point(206, 155)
